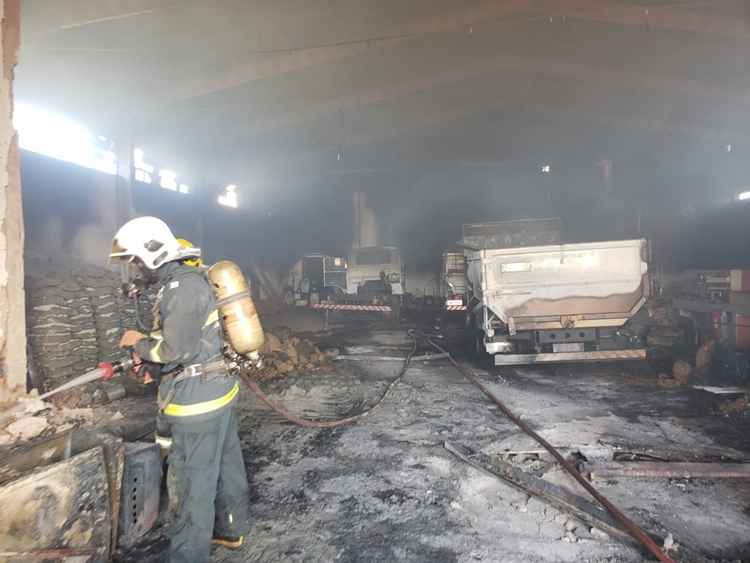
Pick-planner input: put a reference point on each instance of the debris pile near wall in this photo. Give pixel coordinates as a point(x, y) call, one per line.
point(284, 354)
point(75, 319)
point(31, 417)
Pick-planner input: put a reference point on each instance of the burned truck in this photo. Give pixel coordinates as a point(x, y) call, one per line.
point(535, 300)
point(370, 279)
point(375, 270)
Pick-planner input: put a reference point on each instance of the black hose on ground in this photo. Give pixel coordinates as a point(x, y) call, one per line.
point(253, 385)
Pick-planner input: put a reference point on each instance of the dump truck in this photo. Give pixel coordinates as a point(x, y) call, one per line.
point(533, 303)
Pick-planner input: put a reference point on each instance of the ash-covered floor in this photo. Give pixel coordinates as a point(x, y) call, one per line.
point(385, 489)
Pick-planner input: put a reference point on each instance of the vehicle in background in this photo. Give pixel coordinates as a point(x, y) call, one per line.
point(317, 277)
point(375, 269)
point(371, 279)
point(533, 300)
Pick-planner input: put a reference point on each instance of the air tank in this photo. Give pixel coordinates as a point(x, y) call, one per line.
point(236, 308)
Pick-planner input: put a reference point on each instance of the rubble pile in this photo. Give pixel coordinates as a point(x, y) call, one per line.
point(31, 418)
point(683, 373)
point(74, 320)
point(284, 354)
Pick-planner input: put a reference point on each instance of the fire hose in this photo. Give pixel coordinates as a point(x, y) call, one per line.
point(106, 370)
point(252, 384)
point(631, 527)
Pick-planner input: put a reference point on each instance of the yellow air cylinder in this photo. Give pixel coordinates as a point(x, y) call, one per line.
point(236, 308)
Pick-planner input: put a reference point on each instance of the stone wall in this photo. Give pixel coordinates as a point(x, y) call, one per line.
point(75, 319)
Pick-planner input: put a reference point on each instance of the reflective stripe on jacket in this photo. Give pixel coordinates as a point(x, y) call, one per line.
point(205, 407)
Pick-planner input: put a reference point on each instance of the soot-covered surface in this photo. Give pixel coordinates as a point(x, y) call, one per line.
point(385, 489)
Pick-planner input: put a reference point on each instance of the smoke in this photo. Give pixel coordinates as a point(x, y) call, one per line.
point(56, 246)
point(92, 243)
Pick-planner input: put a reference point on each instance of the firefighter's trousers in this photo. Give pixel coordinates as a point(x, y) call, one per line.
point(207, 485)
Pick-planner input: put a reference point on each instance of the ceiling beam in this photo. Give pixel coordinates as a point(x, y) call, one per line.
point(655, 90)
point(711, 133)
point(64, 15)
point(274, 64)
point(308, 162)
point(708, 19)
point(710, 95)
point(723, 17)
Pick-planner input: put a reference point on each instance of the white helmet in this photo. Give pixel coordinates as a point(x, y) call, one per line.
point(151, 241)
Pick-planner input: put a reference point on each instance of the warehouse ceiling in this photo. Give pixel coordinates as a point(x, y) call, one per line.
point(285, 94)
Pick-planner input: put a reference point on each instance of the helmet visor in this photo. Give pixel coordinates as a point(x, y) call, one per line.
point(118, 250)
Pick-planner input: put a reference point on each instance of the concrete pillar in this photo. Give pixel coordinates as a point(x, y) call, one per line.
point(12, 308)
point(365, 223)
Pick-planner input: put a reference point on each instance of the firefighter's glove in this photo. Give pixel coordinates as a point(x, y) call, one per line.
point(130, 338)
point(144, 372)
point(148, 372)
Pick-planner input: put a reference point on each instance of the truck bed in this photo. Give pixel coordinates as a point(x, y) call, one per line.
point(586, 285)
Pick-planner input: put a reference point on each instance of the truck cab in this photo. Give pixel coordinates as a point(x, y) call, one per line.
point(318, 276)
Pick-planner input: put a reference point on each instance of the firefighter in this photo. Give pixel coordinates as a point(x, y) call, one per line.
point(206, 479)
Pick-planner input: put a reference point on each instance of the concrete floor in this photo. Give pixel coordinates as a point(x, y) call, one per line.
point(385, 489)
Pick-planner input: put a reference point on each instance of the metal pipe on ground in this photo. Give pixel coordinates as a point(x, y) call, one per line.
point(668, 470)
point(631, 527)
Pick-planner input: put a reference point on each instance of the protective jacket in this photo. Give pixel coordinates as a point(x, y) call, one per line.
point(187, 340)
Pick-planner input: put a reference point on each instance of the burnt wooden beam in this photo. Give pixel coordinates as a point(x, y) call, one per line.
point(64, 506)
point(39, 453)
